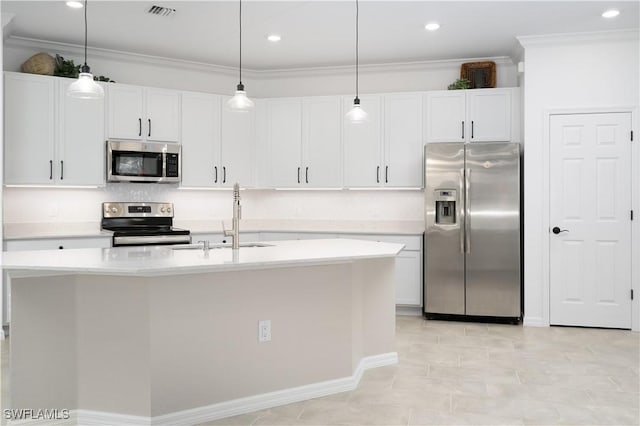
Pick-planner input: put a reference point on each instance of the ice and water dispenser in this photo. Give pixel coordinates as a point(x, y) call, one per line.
point(445, 206)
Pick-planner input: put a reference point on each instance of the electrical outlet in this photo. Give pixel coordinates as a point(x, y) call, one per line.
point(264, 331)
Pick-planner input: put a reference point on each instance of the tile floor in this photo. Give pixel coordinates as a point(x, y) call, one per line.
point(453, 373)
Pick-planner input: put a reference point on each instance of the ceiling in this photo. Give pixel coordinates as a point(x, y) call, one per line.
point(314, 33)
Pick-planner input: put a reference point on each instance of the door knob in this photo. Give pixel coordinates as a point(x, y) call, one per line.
point(557, 230)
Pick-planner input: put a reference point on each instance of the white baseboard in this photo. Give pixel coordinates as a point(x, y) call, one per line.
point(409, 310)
point(534, 322)
point(242, 405)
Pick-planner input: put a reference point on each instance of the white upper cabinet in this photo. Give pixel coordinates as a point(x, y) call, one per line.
point(403, 140)
point(217, 144)
point(284, 130)
point(475, 115)
point(200, 140)
point(51, 138)
point(81, 139)
point(238, 147)
point(322, 142)
point(143, 113)
point(362, 144)
point(386, 150)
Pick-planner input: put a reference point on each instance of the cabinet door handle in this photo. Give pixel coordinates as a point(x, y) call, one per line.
point(306, 174)
point(50, 169)
point(61, 170)
point(298, 174)
point(472, 129)
point(224, 174)
point(216, 171)
point(386, 174)
point(462, 129)
point(149, 127)
point(378, 174)
point(139, 126)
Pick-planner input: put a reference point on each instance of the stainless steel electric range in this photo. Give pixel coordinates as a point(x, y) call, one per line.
point(138, 224)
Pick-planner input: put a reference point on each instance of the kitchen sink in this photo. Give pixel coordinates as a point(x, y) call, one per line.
point(217, 246)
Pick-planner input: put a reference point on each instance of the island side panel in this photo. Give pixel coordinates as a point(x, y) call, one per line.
point(113, 344)
point(204, 333)
point(43, 343)
point(377, 280)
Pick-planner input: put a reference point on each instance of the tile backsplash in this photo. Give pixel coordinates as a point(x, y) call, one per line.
point(28, 205)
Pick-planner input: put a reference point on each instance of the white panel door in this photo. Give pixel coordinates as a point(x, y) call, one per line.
point(238, 147)
point(163, 115)
point(81, 144)
point(403, 140)
point(322, 142)
point(200, 140)
point(28, 129)
point(445, 116)
point(489, 115)
point(363, 145)
point(284, 123)
point(409, 278)
point(590, 204)
point(125, 112)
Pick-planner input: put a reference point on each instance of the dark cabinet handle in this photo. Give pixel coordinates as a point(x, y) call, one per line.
point(386, 174)
point(139, 126)
point(557, 230)
point(378, 174)
point(306, 175)
point(50, 169)
point(224, 174)
point(462, 129)
point(216, 171)
point(60, 247)
point(472, 129)
point(149, 128)
point(61, 170)
point(298, 174)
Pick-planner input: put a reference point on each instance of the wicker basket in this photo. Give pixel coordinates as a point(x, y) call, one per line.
point(40, 63)
point(480, 74)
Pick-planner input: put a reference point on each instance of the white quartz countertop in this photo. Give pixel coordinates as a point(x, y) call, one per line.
point(165, 260)
point(23, 231)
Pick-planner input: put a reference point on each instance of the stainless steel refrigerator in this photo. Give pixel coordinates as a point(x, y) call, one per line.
point(472, 236)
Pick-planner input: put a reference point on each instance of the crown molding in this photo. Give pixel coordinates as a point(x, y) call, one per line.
point(95, 52)
point(578, 38)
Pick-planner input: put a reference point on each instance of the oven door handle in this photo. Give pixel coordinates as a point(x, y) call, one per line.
point(133, 240)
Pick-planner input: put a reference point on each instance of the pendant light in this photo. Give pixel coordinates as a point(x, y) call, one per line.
point(357, 115)
point(85, 87)
point(240, 102)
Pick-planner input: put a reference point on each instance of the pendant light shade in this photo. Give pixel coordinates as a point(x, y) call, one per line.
point(240, 102)
point(357, 115)
point(85, 87)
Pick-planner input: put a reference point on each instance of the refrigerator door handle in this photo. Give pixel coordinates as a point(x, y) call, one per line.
point(467, 215)
point(461, 213)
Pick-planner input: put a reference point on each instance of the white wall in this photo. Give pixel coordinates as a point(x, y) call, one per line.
point(567, 72)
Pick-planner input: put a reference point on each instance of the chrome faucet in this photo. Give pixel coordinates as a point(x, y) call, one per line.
point(237, 214)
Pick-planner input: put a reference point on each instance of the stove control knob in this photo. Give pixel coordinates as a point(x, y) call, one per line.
point(168, 209)
point(162, 209)
point(114, 210)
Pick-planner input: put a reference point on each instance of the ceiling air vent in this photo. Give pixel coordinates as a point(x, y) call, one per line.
point(161, 11)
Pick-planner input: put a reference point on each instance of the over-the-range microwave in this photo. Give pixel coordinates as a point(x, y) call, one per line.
point(135, 161)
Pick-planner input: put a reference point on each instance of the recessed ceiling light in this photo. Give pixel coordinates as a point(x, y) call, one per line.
point(75, 4)
point(611, 13)
point(274, 37)
point(432, 26)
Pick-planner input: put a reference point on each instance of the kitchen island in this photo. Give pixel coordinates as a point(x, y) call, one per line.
point(167, 335)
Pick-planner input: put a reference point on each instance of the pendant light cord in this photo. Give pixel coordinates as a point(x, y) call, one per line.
point(357, 45)
point(85, 33)
point(240, 19)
